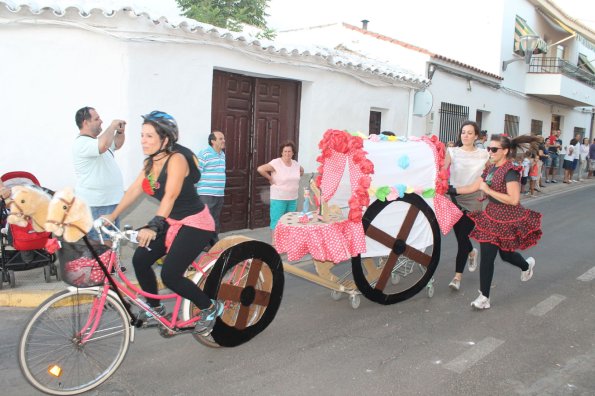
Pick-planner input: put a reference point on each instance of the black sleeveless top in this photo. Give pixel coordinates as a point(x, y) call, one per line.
point(188, 202)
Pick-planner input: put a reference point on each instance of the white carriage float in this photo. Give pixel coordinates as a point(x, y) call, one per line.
point(391, 192)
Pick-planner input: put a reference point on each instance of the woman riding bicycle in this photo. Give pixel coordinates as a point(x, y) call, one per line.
point(182, 226)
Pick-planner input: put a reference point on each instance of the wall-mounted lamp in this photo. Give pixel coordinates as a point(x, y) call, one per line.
point(431, 70)
point(528, 45)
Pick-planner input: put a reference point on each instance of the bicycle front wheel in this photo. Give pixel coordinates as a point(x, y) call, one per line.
point(61, 354)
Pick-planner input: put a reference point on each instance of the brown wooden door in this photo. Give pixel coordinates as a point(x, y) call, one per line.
point(256, 115)
point(232, 114)
point(276, 110)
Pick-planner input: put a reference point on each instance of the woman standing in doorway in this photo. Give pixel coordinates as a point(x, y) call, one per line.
point(466, 163)
point(283, 174)
point(504, 226)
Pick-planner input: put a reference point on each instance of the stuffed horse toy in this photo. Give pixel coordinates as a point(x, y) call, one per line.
point(28, 204)
point(68, 216)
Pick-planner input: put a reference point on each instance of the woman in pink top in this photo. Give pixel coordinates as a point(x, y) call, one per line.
point(284, 176)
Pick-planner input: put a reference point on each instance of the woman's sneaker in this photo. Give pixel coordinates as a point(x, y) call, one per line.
point(481, 302)
point(472, 261)
point(208, 316)
point(455, 284)
point(526, 275)
point(148, 318)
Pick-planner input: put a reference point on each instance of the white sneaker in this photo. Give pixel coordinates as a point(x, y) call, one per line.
point(455, 284)
point(481, 302)
point(526, 275)
point(472, 261)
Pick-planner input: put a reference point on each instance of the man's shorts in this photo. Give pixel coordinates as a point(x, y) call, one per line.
point(97, 212)
point(552, 161)
point(592, 164)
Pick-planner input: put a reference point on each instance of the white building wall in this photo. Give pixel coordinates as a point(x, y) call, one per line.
point(53, 71)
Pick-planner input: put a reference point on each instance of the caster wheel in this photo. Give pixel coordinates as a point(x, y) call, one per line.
point(57, 273)
point(355, 300)
point(11, 278)
point(395, 278)
point(430, 291)
point(47, 273)
point(336, 295)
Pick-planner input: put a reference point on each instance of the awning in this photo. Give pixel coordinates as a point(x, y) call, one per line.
point(583, 63)
point(522, 29)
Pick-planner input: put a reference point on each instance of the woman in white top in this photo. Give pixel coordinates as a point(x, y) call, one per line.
point(583, 155)
point(466, 164)
point(284, 176)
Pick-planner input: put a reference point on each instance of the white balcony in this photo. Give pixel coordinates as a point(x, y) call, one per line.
point(558, 81)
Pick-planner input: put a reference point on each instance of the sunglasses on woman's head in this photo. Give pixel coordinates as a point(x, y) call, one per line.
point(493, 149)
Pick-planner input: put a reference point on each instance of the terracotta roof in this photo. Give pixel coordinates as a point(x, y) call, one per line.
point(189, 31)
point(421, 50)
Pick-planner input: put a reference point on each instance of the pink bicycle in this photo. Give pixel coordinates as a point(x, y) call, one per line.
point(79, 337)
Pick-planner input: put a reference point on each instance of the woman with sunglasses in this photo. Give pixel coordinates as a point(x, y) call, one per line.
point(466, 162)
point(182, 225)
point(504, 226)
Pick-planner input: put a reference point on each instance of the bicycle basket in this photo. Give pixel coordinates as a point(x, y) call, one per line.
point(77, 265)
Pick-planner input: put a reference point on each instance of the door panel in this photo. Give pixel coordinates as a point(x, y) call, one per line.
point(232, 109)
point(276, 115)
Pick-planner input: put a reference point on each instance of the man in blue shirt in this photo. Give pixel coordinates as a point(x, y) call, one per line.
point(211, 186)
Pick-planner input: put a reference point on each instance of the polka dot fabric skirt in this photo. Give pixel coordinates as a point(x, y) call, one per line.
point(506, 226)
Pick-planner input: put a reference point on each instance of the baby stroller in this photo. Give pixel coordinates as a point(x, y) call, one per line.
point(21, 248)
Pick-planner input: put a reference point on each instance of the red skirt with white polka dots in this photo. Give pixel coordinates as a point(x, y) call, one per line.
point(510, 227)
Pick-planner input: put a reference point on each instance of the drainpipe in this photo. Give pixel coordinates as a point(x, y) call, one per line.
point(410, 112)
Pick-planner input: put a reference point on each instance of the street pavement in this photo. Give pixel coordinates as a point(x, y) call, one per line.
point(537, 338)
point(31, 288)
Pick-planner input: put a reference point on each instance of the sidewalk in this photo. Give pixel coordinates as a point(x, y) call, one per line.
point(31, 288)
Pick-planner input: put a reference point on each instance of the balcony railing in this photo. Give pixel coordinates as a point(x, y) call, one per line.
point(560, 66)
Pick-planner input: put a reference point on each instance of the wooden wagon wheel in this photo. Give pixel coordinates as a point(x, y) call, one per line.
point(248, 278)
point(416, 266)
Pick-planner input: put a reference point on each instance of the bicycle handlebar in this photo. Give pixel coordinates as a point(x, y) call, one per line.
point(113, 231)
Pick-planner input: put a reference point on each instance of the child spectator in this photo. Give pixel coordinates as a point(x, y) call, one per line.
point(534, 173)
point(526, 164)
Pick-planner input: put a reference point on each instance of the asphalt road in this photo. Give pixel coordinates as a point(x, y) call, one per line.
point(537, 339)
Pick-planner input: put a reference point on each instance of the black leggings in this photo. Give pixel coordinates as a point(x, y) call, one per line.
point(462, 229)
point(187, 245)
point(486, 268)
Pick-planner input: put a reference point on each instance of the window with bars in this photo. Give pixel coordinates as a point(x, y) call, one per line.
point(452, 117)
point(536, 127)
point(511, 125)
point(579, 131)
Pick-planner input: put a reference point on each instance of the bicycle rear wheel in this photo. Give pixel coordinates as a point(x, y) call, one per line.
point(52, 355)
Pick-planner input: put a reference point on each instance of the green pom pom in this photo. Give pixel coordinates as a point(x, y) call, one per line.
point(429, 193)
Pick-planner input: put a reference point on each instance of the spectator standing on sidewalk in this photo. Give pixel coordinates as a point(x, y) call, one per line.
point(4, 191)
point(504, 226)
point(98, 179)
point(542, 160)
point(480, 143)
point(466, 162)
point(284, 175)
point(211, 186)
point(591, 159)
point(583, 165)
point(554, 144)
point(568, 164)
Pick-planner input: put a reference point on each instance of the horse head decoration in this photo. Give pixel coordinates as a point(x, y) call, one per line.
point(68, 216)
point(28, 204)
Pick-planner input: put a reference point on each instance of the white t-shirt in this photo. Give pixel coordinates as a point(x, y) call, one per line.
point(98, 179)
point(570, 156)
point(466, 166)
point(286, 180)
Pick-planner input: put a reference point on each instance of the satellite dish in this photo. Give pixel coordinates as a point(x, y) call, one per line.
point(422, 103)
